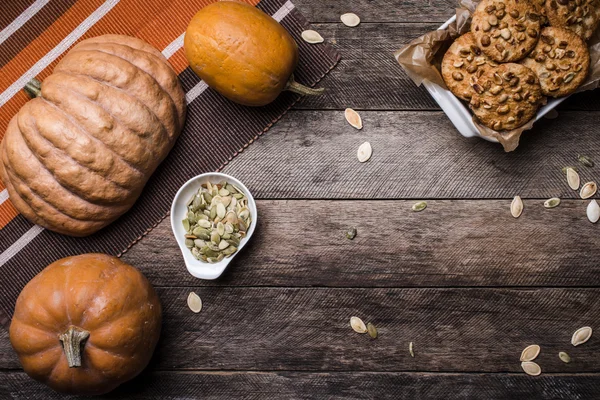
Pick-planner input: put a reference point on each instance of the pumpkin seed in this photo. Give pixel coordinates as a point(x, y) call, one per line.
point(410, 350)
point(213, 229)
point(372, 330)
point(353, 118)
point(351, 233)
point(516, 207)
point(593, 211)
point(573, 178)
point(588, 190)
point(358, 325)
point(350, 19)
point(564, 169)
point(551, 203)
point(194, 302)
point(204, 223)
point(364, 152)
point(311, 36)
point(564, 357)
point(584, 160)
point(531, 368)
point(530, 353)
point(420, 206)
point(552, 114)
point(581, 336)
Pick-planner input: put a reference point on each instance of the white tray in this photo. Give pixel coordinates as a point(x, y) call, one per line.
point(460, 115)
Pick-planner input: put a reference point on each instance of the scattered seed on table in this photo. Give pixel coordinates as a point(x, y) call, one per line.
point(364, 152)
point(351, 233)
point(585, 160)
point(350, 19)
point(593, 211)
point(564, 357)
point(353, 118)
point(194, 302)
point(516, 207)
point(312, 37)
point(358, 325)
point(531, 368)
point(530, 353)
point(581, 336)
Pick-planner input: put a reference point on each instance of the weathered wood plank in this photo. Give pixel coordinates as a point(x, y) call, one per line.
point(369, 77)
point(338, 385)
point(378, 10)
point(451, 243)
point(454, 330)
point(312, 154)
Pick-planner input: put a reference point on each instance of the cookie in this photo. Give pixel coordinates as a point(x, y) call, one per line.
point(539, 6)
point(561, 61)
point(506, 97)
point(580, 16)
point(506, 30)
point(463, 63)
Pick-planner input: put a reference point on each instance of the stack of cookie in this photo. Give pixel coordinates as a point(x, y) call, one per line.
point(509, 61)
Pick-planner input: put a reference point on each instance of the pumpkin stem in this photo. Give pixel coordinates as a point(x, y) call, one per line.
point(73, 340)
point(33, 88)
point(296, 87)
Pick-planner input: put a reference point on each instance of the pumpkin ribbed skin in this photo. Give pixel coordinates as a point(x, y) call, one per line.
point(97, 293)
point(241, 52)
point(78, 156)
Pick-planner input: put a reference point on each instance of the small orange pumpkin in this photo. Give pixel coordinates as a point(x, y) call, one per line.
point(242, 53)
point(86, 324)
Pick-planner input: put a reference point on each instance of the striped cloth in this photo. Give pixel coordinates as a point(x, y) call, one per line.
point(34, 35)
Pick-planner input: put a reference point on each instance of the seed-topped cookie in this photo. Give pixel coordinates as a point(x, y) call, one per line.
point(561, 61)
point(506, 97)
point(463, 63)
point(539, 6)
point(506, 30)
point(580, 16)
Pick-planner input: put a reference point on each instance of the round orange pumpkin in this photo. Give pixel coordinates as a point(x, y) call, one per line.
point(242, 53)
point(86, 324)
point(78, 155)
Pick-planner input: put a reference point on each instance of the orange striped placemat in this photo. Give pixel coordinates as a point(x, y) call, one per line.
point(33, 37)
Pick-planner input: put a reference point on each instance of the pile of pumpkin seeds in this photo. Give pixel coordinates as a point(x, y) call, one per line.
point(217, 220)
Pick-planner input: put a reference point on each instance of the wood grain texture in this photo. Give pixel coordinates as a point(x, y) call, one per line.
point(416, 155)
point(326, 385)
point(369, 77)
point(452, 243)
point(378, 10)
point(307, 329)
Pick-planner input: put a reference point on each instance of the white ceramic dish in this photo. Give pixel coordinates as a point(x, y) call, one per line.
point(198, 268)
point(460, 115)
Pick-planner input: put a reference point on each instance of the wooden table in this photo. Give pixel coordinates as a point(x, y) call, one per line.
point(467, 283)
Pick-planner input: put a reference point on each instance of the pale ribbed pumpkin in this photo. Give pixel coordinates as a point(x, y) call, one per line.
point(78, 155)
point(86, 324)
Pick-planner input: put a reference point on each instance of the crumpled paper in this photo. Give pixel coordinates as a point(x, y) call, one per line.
point(422, 58)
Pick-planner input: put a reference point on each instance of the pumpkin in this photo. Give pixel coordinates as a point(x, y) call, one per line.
point(78, 155)
point(242, 53)
point(86, 324)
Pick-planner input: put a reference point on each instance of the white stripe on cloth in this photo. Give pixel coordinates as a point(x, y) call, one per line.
point(190, 96)
point(20, 243)
point(22, 19)
point(283, 11)
point(58, 50)
point(173, 46)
